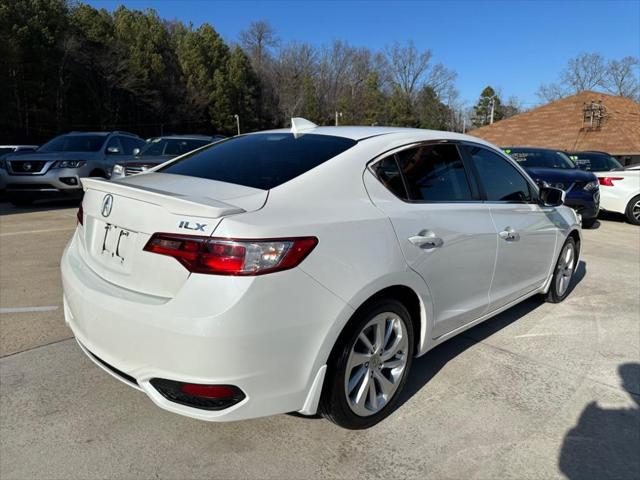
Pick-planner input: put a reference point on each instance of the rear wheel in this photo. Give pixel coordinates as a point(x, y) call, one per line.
point(563, 272)
point(369, 366)
point(633, 210)
point(588, 223)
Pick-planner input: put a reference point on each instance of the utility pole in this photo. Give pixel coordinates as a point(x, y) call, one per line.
point(237, 117)
point(338, 114)
point(492, 104)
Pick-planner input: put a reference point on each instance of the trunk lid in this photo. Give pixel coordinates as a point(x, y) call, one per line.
point(121, 216)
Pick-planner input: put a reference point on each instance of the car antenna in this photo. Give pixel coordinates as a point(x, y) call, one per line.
point(300, 125)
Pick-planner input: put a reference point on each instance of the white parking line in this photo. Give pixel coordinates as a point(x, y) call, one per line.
point(49, 308)
point(27, 232)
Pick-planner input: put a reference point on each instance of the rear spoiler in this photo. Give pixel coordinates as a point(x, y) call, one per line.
point(171, 201)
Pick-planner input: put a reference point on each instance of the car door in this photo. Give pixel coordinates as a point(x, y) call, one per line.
point(527, 232)
point(444, 229)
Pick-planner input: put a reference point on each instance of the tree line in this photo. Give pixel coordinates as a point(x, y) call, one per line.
point(69, 66)
point(592, 71)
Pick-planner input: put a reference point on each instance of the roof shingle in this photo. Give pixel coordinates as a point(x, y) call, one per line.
point(559, 125)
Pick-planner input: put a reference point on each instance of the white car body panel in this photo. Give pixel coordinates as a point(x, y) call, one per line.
point(271, 335)
point(616, 198)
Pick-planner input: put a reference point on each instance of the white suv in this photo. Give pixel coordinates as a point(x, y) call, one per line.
point(303, 270)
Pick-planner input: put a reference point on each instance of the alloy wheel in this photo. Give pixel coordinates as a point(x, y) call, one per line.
point(376, 364)
point(635, 211)
point(566, 265)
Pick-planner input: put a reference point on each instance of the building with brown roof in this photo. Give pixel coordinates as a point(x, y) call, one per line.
point(585, 121)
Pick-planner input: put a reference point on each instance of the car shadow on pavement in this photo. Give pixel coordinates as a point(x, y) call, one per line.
point(426, 367)
point(605, 443)
point(611, 217)
point(7, 208)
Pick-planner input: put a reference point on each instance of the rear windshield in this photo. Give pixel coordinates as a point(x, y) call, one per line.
point(171, 146)
point(262, 160)
point(596, 162)
point(74, 143)
point(540, 158)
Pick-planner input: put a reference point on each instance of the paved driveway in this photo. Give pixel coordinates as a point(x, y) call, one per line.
point(541, 391)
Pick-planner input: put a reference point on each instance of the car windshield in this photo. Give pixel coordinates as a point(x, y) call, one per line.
point(540, 158)
point(596, 162)
point(74, 143)
point(262, 160)
point(172, 146)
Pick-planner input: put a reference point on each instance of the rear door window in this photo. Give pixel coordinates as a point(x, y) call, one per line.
point(435, 173)
point(388, 173)
point(262, 160)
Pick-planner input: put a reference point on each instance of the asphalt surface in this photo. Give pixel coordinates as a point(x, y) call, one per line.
point(541, 391)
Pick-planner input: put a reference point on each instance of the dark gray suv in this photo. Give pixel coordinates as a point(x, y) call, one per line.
point(56, 167)
point(159, 150)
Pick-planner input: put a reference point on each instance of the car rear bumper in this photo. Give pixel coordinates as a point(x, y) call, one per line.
point(261, 334)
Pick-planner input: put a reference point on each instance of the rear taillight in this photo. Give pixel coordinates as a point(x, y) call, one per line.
point(608, 181)
point(223, 256)
point(80, 216)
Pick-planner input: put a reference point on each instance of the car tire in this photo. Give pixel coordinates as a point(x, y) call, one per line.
point(632, 212)
point(588, 223)
point(372, 398)
point(563, 272)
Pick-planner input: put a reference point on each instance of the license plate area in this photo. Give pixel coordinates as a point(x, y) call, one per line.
point(114, 246)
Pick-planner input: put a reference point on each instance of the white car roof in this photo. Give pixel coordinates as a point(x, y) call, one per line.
point(361, 132)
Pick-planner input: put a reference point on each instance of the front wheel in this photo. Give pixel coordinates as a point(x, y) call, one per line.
point(369, 366)
point(563, 272)
point(632, 211)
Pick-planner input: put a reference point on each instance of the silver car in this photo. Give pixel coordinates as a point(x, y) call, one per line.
point(56, 167)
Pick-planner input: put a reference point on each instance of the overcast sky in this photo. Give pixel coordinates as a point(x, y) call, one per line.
point(512, 45)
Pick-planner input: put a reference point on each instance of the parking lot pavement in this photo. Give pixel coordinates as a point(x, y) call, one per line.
point(31, 243)
point(540, 391)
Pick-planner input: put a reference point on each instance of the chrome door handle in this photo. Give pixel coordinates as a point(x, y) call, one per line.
point(509, 234)
point(426, 239)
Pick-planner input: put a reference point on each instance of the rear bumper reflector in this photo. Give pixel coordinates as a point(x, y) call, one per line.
point(205, 397)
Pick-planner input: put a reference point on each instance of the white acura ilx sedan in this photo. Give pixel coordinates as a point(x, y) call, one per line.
point(302, 270)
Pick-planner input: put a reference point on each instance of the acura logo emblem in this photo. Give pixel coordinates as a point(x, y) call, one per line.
point(107, 203)
point(26, 166)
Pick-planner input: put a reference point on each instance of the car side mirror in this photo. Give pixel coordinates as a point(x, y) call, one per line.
point(136, 151)
point(551, 197)
point(113, 150)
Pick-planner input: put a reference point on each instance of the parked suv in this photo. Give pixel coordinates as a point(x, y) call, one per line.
point(56, 167)
point(160, 149)
point(6, 150)
point(552, 168)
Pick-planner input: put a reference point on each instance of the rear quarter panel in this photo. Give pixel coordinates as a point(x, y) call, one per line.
point(357, 254)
